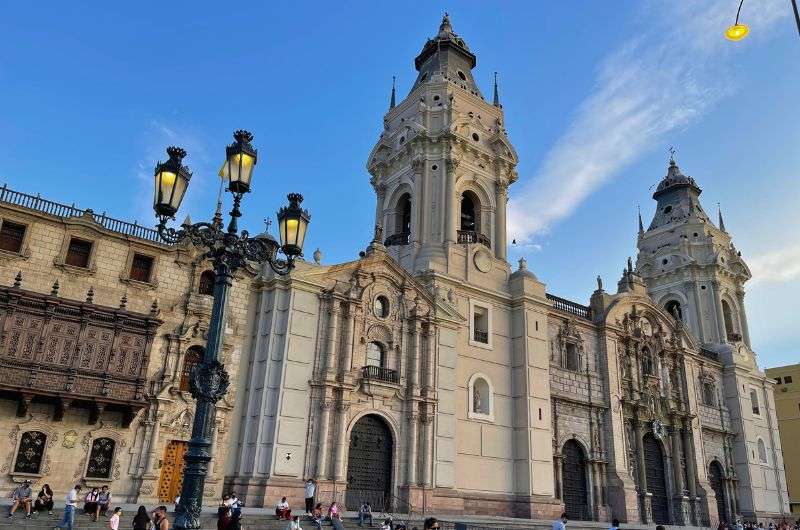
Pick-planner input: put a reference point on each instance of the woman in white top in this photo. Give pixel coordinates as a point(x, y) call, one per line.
point(282, 510)
point(294, 524)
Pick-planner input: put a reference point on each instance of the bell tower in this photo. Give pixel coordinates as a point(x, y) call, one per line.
point(442, 166)
point(691, 266)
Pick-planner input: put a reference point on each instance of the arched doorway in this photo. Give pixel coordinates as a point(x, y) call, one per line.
point(717, 481)
point(656, 483)
point(574, 480)
point(369, 464)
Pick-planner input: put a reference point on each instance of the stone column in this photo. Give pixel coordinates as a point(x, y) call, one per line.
point(430, 365)
point(743, 317)
point(720, 314)
point(691, 462)
point(427, 447)
point(155, 433)
point(347, 353)
point(413, 429)
point(637, 429)
point(676, 459)
point(698, 309)
point(380, 192)
point(341, 441)
point(501, 198)
point(416, 355)
point(559, 462)
point(322, 443)
point(450, 202)
point(333, 336)
point(596, 489)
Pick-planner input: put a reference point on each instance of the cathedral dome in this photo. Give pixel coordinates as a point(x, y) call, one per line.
point(674, 179)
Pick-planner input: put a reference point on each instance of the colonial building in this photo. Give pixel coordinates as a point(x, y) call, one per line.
point(429, 373)
point(787, 409)
point(101, 325)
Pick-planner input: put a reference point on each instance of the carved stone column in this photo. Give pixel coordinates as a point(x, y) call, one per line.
point(558, 459)
point(155, 434)
point(413, 434)
point(341, 441)
point(427, 447)
point(430, 365)
point(416, 356)
point(691, 476)
point(380, 192)
point(333, 336)
point(347, 347)
point(450, 202)
point(720, 314)
point(743, 317)
point(322, 443)
point(501, 198)
point(647, 510)
point(677, 471)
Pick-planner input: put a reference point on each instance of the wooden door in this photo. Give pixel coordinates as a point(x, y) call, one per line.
point(169, 485)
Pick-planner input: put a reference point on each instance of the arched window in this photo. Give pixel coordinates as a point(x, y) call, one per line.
point(30, 452)
point(762, 451)
point(727, 316)
point(193, 356)
point(481, 398)
point(101, 458)
point(469, 220)
point(647, 362)
point(207, 279)
point(381, 306)
point(375, 355)
point(403, 213)
point(572, 357)
point(674, 308)
point(710, 394)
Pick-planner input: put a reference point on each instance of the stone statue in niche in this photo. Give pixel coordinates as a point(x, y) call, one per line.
point(477, 404)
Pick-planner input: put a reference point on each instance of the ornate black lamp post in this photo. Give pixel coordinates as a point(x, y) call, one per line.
point(228, 249)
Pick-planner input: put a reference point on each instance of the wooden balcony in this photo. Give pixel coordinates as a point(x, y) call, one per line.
point(73, 353)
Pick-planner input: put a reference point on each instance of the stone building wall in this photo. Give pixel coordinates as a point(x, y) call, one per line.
point(140, 447)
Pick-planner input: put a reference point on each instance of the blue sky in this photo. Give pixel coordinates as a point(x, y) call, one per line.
point(593, 95)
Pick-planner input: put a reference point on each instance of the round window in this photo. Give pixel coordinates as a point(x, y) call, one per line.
point(434, 167)
point(402, 139)
point(475, 137)
point(462, 76)
point(436, 98)
point(667, 209)
point(381, 307)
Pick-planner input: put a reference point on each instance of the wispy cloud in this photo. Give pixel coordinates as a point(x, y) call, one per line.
point(777, 266)
point(667, 77)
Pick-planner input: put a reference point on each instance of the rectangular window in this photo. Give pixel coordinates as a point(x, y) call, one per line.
point(11, 236)
point(787, 380)
point(78, 253)
point(754, 402)
point(480, 325)
point(141, 268)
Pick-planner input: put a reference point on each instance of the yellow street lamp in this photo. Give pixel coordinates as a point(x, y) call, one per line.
point(738, 31)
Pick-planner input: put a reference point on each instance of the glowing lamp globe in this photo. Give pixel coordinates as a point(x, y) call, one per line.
point(240, 158)
point(737, 32)
point(171, 181)
point(292, 224)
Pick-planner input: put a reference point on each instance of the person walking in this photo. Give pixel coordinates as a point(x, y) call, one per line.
point(614, 524)
point(310, 491)
point(141, 521)
point(431, 523)
point(71, 501)
point(113, 521)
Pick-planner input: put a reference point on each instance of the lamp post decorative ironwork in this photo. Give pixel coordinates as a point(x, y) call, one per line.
point(228, 249)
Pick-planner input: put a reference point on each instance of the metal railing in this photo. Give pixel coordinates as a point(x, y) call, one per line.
point(469, 236)
point(481, 336)
point(569, 306)
point(397, 239)
point(379, 373)
point(37, 203)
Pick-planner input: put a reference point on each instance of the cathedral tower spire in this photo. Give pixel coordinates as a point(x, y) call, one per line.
point(392, 98)
point(442, 166)
point(496, 98)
